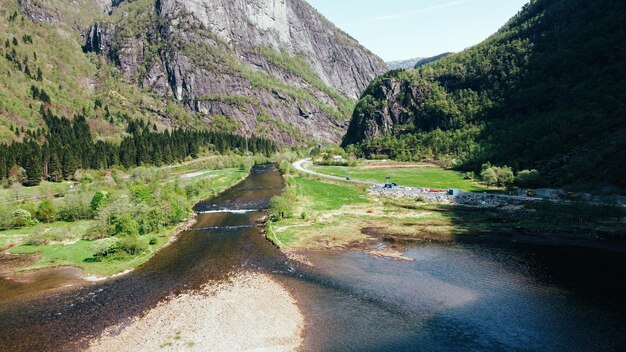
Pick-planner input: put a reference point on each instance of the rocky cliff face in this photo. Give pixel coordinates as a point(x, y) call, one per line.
point(271, 67)
point(387, 103)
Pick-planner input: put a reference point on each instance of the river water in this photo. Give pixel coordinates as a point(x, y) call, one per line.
point(452, 297)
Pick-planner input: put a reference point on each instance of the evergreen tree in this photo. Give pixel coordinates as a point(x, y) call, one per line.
point(70, 165)
point(55, 171)
point(32, 163)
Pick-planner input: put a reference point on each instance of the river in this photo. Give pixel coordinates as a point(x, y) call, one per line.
point(452, 297)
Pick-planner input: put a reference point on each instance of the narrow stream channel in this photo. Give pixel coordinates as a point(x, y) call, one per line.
point(452, 297)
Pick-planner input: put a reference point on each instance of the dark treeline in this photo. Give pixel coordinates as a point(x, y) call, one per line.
point(55, 154)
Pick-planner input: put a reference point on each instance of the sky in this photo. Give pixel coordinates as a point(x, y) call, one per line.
point(404, 29)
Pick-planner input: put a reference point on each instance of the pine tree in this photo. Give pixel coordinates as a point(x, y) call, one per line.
point(70, 165)
point(33, 166)
point(55, 171)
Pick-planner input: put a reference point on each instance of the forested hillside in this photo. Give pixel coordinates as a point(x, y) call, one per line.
point(547, 91)
point(58, 151)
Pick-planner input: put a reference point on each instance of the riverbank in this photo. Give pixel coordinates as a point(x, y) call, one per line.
point(66, 244)
point(323, 214)
point(237, 315)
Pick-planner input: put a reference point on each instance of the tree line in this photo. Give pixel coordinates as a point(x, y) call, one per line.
point(58, 151)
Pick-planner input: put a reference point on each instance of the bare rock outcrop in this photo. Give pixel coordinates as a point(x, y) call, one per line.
point(274, 68)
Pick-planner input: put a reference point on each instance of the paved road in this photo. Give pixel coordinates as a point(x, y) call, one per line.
point(301, 165)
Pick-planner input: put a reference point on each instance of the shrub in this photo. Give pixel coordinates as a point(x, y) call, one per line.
point(37, 239)
point(126, 226)
point(283, 205)
point(77, 206)
point(99, 230)
point(103, 249)
point(46, 212)
point(528, 179)
point(132, 245)
point(497, 176)
point(98, 200)
point(6, 218)
point(489, 176)
point(21, 218)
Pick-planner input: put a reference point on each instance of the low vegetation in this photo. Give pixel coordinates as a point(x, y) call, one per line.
point(318, 213)
point(110, 221)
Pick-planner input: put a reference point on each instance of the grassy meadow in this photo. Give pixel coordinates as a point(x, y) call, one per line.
point(419, 176)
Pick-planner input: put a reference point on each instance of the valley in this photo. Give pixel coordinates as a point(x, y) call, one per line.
point(217, 175)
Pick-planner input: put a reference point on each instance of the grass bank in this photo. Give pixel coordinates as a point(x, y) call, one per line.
point(139, 212)
point(412, 175)
point(323, 214)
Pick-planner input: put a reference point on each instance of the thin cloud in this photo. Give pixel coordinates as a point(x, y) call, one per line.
point(405, 14)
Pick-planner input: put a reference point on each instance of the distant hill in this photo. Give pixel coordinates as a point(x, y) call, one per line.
point(428, 60)
point(413, 63)
point(404, 64)
point(547, 91)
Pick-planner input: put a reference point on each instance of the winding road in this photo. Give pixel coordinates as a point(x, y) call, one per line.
point(300, 166)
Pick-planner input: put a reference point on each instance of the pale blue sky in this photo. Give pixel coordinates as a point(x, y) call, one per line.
point(403, 29)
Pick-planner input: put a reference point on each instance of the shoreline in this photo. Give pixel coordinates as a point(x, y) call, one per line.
point(83, 277)
point(238, 314)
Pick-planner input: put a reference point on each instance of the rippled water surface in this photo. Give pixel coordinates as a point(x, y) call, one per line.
point(451, 298)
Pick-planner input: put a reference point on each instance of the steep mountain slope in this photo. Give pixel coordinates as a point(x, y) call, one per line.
point(546, 91)
point(270, 68)
point(42, 65)
point(275, 68)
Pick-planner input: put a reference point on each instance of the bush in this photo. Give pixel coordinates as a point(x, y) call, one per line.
point(132, 245)
point(22, 218)
point(77, 206)
point(46, 212)
point(282, 206)
point(103, 249)
point(497, 176)
point(37, 239)
point(98, 200)
point(6, 218)
point(528, 179)
point(126, 226)
point(99, 230)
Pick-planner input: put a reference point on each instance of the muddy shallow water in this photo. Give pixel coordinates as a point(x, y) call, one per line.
point(452, 297)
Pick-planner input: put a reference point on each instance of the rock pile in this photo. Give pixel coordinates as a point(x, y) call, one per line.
point(482, 200)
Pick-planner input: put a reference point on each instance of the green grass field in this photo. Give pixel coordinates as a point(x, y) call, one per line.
point(430, 177)
point(327, 196)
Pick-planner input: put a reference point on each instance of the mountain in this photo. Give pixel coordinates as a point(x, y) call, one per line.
point(403, 64)
point(545, 92)
point(428, 60)
point(413, 63)
point(274, 69)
